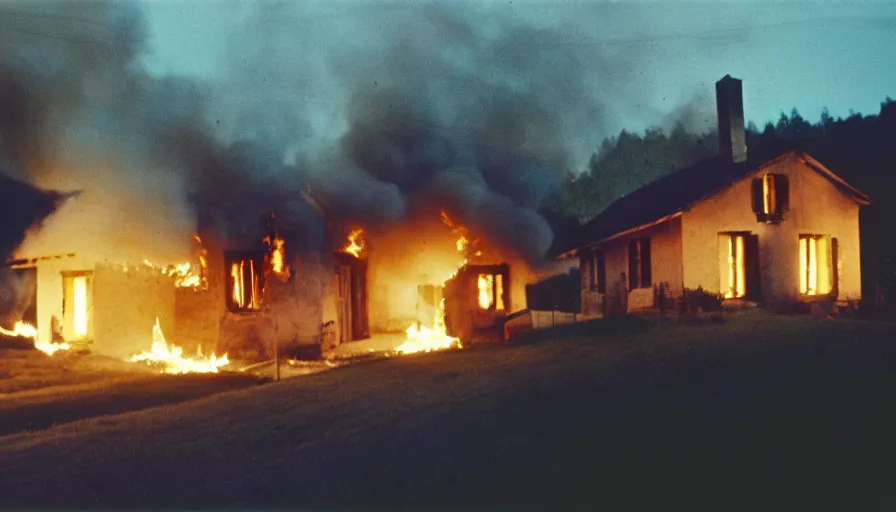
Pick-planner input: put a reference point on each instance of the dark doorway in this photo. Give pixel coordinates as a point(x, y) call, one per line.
point(352, 297)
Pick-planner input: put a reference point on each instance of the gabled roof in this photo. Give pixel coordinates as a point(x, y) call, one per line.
point(671, 195)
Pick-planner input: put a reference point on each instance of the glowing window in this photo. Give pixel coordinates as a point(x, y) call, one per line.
point(771, 197)
point(735, 267)
point(244, 282)
point(77, 305)
point(491, 291)
point(816, 272)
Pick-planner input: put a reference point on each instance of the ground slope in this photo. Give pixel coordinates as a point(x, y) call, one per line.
point(789, 413)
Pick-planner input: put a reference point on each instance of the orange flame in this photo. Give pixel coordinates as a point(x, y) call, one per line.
point(354, 243)
point(277, 254)
point(169, 357)
point(236, 273)
point(424, 339)
point(25, 330)
point(486, 289)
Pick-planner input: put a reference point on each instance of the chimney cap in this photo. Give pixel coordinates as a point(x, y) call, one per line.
point(728, 78)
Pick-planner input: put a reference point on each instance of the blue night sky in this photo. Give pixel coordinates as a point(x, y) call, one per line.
point(651, 60)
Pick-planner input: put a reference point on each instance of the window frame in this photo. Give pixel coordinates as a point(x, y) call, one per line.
point(732, 270)
point(822, 261)
point(639, 263)
point(770, 196)
point(257, 260)
point(497, 292)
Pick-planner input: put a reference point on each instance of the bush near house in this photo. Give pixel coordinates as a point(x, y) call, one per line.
point(697, 301)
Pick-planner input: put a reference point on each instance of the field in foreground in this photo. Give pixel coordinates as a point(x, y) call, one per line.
point(788, 413)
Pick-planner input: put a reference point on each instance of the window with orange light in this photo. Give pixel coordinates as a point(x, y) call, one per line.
point(815, 267)
point(770, 197)
point(244, 280)
point(734, 272)
point(491, 291)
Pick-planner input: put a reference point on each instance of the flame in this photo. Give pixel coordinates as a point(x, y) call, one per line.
point(236, 273)
point(170, 357)
point(424, 339)
point(354, 243)
point(486, 290)
point(277, 255)
point(464, 244)
point(184, 274)
point(24, 330)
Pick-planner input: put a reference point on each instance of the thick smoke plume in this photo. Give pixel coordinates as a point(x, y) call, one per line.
point(379, 112)
point(77, 114)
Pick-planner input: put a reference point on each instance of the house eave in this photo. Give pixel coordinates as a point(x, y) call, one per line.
point(574, 252)
point(30, 262)
point(856, 194)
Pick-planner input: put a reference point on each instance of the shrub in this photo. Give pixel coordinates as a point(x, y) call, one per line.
point(699, 300)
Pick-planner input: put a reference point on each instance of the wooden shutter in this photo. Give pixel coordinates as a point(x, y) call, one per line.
point(633, 269)
point(782, 193)
point(757, 197)
point(646, 279)
point(751, 259)
point(601, 272)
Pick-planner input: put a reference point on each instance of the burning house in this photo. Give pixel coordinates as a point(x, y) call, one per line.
point(409, 218)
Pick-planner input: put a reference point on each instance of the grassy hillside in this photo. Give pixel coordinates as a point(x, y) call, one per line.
point(787, 412)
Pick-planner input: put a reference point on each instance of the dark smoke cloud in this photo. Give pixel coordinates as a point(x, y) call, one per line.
point(480, 111)
point(22, 207)
point(378, 111)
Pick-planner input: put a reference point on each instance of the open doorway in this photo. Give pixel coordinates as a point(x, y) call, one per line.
point(352, 299)
point(77, 305)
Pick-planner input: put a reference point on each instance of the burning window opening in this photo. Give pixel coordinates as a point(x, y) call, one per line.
point(277, 255)
point(815, 268)
point(169, 357)
point(491, 291)
point(736, 287)
point(355, 243)
point(244, 285)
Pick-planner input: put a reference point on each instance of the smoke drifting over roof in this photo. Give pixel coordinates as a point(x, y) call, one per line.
point(388, 111)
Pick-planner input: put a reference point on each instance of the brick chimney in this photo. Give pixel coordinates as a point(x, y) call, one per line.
point(730, 105)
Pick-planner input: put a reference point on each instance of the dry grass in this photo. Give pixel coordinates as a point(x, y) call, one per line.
point(23, 370)
point(604, 413)
point(38, 391)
